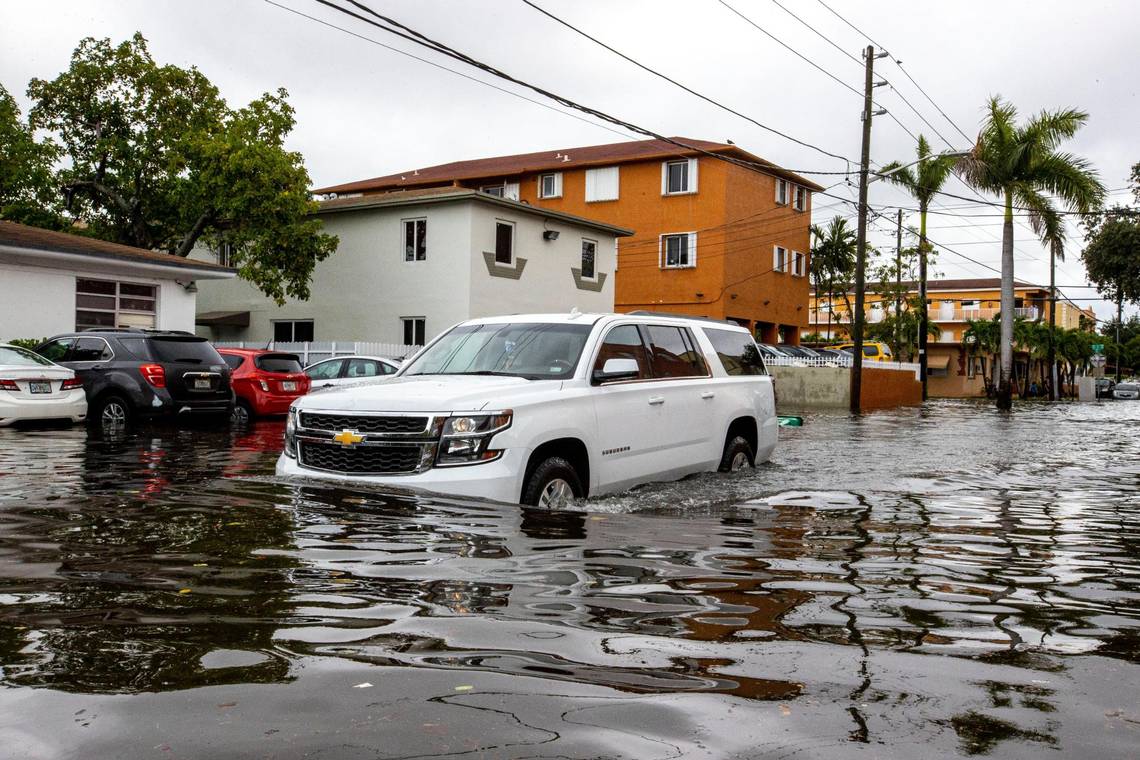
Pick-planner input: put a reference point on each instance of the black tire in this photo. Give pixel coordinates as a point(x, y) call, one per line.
point(241, 414)
point(553, 473)
point(110, 413)
point(734, 449)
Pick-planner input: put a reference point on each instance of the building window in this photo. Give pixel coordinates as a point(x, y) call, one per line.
point(779, 259)
point(550, 185)
point(679, 177)
point(226, 254)
point(105, 303)
point(589, 259)
point(497, 190)
point(602, 184)
point(415, 239)
point(799, 264)
point(504, 243)
point(800, 202)
point(413, 330)
point(293, 330)
point(782, 192)
point(679, 251)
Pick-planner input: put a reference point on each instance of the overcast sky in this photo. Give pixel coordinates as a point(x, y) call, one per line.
point(364, 110)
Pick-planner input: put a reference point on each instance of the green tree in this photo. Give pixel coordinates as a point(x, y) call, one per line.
point(1022, 165)
point(26, 193)
point(1112, 261)
point(156, 159)
point(833, 264)
point(983, 339)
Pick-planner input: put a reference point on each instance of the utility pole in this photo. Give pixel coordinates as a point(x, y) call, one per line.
point(898, 284)
point(1054, 252)
point(861, 239)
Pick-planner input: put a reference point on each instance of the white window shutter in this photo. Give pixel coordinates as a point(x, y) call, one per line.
point(511, 190)
point(776, 258)
point(692, 249)
point(692, 175)
point(664, 177)
point(558, 184)
point(602, 184)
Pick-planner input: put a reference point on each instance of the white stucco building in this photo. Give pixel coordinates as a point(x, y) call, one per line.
point(53, 282)
point(411, 264)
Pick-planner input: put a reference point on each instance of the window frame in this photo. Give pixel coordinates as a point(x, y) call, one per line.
point(690, 250)
point(690, 176)
point(593, 275)
point(779, 259)
point(512, 261)
point(491, 190)
point(555, 182)
point(799, 264)
point(782, 192)
point(799, 197)
point(591, 179)
point(293, 329)
point(422, 323)
point(419, 241)
point(118, 311)
point(75, 346)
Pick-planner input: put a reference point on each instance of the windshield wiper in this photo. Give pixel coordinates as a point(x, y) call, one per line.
point(484, 372)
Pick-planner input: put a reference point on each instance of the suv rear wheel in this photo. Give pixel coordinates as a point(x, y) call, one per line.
point(554, 483)
point(110, 412)
point(737, 455)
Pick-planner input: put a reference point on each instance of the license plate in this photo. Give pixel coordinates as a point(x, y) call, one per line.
point(288, 385)
point(201, 383)
point(40, 387)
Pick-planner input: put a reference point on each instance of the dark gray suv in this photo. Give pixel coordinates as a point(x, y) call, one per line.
point(130, 374)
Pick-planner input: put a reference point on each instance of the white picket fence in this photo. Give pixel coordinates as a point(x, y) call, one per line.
point(313, 352)
point(797, 361)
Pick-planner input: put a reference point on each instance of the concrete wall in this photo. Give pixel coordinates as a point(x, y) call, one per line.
point(38, 301)
point(830, 387)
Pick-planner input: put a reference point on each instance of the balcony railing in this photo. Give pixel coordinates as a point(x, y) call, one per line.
point(1032, 313)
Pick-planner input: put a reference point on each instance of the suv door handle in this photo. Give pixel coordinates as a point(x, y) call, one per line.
point(656, 400)
point(708, 394)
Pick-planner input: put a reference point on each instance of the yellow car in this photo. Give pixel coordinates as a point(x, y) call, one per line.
point(876, 352)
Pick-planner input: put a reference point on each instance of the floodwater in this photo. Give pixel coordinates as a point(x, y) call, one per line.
point(932, 583)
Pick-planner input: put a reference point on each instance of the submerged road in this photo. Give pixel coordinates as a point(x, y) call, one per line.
point(937, 583)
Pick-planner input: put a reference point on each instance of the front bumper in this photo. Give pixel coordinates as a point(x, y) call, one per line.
point(500, 480)
point(65, 405)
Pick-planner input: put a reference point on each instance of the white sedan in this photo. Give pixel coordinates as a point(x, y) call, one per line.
point(33, 388)
point(1126, 391)
point(345, 370)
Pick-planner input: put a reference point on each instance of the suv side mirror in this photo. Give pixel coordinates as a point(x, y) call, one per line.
point(617, 369)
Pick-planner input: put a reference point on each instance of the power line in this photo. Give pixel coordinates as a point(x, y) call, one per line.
point(687, 89)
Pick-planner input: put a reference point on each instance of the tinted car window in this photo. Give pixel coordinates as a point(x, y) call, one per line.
point(188, 350)
point(671, 353)
point(137, 347)
point(386, 369)
point(737, 351)
point(624, 342)
point(287, 363)
point(329, 370)
point(90, 350)
point(233, 361)
point(363, 368)
point(55, 350)
point(870, 351)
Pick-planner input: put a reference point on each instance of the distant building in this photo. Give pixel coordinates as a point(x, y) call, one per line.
point(410, 264)
point(711, 238)
point(53, 282)
point(950, 303)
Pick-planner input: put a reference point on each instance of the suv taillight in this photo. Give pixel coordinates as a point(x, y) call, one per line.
point(154, 374)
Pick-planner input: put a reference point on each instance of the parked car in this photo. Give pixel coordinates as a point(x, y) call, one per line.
point(33, 388)
point(342, 370)
point(878, 352)
point(265, 382)
point(835, 356)
point(543, 409)
point(768, 351)
point(1104, 386)
point(130, 373)
point(1126, 390)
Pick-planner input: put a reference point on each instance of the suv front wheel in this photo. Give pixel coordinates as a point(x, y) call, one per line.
point(737, 455)
point(554, 483)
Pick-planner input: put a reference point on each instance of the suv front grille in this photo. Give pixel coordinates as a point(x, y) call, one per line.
point(363, 423)
point(361, 460)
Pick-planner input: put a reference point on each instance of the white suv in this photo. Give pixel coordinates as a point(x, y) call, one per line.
point(543, 409)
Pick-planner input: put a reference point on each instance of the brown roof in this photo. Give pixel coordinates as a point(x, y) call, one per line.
point(567, 158)
point(451, 194)
point(973, 283)
point(38, 239)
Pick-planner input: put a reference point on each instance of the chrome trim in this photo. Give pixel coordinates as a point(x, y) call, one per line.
point(432, 430)
point(428, 453)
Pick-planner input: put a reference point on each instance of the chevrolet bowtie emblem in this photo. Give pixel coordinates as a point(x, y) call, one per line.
point(348, 438)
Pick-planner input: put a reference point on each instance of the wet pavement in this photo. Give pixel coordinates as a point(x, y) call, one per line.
point(930, 583)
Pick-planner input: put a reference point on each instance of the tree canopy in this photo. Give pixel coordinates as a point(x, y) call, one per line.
point(154, 157)
point(26, 193)
point(1112, 258)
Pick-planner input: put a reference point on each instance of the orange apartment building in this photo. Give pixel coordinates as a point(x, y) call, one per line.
point(710, 239)
point(953, 372)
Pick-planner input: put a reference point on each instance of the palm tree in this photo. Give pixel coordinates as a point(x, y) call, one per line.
point(1022, 164)
point(832, 262)
point(981, 337)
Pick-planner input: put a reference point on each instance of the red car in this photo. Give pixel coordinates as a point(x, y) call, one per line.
point(264, 382)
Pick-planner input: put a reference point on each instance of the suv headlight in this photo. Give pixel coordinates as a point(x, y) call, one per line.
point(467, 438)
point(291, 432)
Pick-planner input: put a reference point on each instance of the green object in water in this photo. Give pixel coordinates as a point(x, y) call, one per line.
point(788, 421)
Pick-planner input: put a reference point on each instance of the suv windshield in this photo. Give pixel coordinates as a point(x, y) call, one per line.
point(278, 363)
point(531, 350)
point(188, 350)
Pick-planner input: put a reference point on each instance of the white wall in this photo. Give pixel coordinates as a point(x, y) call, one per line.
point(37, 301)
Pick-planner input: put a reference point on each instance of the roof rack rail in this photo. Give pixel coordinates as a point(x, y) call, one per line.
point(111, 329)
point(673, 315)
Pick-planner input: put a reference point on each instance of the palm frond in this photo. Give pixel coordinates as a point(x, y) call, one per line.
point(1043, 215)
point(1048, 128)
point(1070, 178)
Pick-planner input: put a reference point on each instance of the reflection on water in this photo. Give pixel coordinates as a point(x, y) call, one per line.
point(948, 582)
